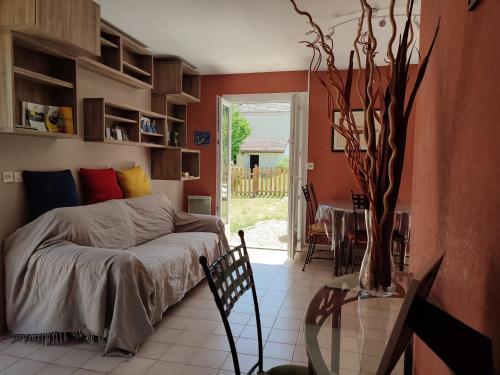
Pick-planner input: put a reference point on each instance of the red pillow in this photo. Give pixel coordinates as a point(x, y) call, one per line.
point(99, 185)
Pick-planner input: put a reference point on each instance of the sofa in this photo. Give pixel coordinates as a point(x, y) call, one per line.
point(105, 271)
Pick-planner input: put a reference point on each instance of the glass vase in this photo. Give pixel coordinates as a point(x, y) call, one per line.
point(376, 276)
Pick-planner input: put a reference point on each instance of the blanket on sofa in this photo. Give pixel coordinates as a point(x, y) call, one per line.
point(90, 271)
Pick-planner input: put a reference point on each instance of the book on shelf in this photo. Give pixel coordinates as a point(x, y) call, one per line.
point(33, 116)
point(47, 118)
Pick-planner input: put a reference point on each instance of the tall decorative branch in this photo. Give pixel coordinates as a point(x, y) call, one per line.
point(378, 170)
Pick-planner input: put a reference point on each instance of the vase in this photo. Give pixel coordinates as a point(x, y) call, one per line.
point(376, 275)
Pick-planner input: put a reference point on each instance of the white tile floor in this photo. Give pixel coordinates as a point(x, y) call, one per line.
point(191, 339)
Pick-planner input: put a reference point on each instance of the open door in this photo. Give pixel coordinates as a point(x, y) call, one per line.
point(298, 171)
point(224, 116)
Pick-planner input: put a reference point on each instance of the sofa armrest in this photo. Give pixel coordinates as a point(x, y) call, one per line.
point(186, 222)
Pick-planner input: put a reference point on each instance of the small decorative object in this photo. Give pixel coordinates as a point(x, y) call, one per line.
point(202, 138)
point(124, 134)
point(119, 134)
point(186, 174)
point(378, 170)
point(174, 138)
point(108, 133)
point(154, 129)
point(113, 133)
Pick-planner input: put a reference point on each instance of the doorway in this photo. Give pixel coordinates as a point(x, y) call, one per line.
point(260, 167)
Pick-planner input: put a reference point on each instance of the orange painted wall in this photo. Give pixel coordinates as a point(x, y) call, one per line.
point(332, 177)
point(456, 176)
point(202, 116)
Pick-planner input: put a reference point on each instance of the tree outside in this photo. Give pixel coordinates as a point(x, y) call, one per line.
point(241, 130)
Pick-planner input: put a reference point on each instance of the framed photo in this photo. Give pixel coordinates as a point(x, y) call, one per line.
point(201, 138)
point(339, 142)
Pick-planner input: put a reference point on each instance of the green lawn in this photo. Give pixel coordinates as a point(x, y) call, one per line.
point(246, 212)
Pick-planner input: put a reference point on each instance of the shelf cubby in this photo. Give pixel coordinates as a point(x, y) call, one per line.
point(173, 163)
point(137, 61)
point(157, 138)
point(101, 115)
point(39, 77)
point(178, 80)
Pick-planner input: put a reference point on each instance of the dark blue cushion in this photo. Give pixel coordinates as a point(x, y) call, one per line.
point(48, 190)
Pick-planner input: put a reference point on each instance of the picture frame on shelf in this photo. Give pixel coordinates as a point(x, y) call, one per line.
point(119, 134)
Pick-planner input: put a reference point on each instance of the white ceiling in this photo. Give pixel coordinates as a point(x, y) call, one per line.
point(240, 36)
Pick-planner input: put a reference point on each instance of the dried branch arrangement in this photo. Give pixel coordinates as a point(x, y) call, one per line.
point(385, 104)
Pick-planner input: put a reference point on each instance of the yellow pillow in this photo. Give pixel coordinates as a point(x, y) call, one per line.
point(134, 182)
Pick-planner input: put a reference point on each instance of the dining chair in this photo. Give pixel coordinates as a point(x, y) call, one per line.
point(314, 230)
point(229, 277)
point(357, 238)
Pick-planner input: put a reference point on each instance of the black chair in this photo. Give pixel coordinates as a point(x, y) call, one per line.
point(229, 277)
point(314, 230)
point(357, 238)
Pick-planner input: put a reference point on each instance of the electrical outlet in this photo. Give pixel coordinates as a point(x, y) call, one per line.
point(18, 176)
point(8, 177)
point(310, 166)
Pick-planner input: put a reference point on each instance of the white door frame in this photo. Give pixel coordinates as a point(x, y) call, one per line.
point(297, 176)
point(220, 103)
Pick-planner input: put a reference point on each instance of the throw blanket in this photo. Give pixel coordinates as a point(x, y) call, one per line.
point(78, 270)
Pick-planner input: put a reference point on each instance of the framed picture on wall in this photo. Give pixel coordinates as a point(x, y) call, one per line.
point(339, 142)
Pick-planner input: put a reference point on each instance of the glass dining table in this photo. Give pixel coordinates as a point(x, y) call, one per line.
point(346, 331)
point(338, 219)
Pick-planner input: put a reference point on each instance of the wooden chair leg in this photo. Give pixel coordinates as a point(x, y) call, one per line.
point(307, 255)
point(313, 249)
point(349, 255)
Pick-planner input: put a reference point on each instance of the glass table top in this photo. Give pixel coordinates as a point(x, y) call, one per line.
point(346, 332)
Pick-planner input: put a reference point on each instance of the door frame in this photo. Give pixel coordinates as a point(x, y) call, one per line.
point(221, 101)
point(298, 176)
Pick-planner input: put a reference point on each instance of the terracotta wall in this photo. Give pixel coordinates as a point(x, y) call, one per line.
point(456, 177)
point(202, 116)
point(331, 176)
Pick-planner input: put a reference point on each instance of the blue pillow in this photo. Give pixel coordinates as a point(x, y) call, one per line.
point(48, 190)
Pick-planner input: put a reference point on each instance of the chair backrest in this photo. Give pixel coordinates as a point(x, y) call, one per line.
point(229, 277)
point(313, 193)
point(311, 209)
point(360, 202)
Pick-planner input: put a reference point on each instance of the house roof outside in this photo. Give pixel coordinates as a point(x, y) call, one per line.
point(264, 145)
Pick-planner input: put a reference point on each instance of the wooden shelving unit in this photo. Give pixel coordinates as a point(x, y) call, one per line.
point(100, 115)
point(122, 59)
point(37, 76)
point(176, 79)
point(176, 117)
point(173, 163)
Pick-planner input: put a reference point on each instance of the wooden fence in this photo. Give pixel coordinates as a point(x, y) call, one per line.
point(261, 181)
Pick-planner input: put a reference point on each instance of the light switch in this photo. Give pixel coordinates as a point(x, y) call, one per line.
point(8, 177)
point(18, 176)
point(310, 166)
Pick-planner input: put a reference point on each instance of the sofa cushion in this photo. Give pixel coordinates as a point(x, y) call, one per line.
point(99, 185)
point(134, 182)
point(48, 190)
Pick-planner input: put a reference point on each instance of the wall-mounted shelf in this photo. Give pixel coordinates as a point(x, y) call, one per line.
point(176, 117)
point(173, 163)
point(32, 75)
point(122, 59)
point(103, 119)
point(176, 79)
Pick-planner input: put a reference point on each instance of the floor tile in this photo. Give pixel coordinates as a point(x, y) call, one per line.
point(283, 336)
point(48, 353)
point(7, 361)
point(82, 371)
point(75, 357)
point(24, 367)
point(153, 349)
point(250, 332)
point(56, 370)
point(134, 366)
point(190, 338)
point(247, 346)
point(209, 358)
point(217, 342)
point(200, 325)
point(166, 335)
point(235, 329)
point(179, 354)
point(289, 324)
point(279, 350)
point(166, 368)
point(195, 370)
point(102, 363)
point(21, 349)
